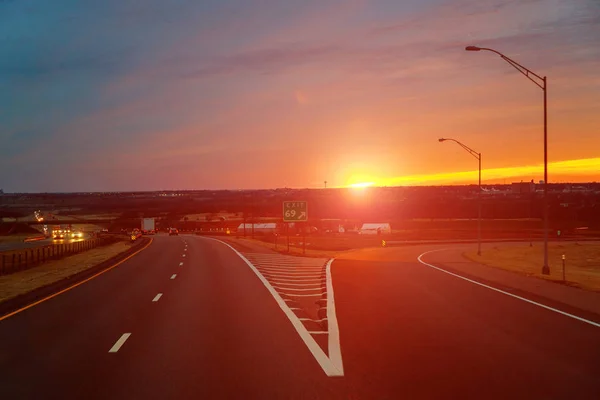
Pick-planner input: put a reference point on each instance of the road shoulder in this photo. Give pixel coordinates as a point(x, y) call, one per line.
point(453, 259)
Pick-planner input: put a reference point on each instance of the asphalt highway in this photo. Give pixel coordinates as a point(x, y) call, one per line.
point(188, 317)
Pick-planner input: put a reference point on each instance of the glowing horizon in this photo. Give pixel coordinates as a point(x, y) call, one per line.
point(571, 168)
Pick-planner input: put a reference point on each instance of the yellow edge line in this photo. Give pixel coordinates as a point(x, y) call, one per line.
point(75, 285)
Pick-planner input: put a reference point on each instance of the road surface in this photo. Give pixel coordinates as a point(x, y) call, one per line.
point(189, 318)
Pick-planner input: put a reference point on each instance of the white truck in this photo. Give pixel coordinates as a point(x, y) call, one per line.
point(148, 226)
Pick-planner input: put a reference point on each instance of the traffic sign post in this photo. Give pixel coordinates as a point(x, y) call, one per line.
point(304, 240)
point(295, 211)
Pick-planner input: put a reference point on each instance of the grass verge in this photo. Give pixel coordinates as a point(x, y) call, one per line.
point(295, 250)
point(22, 282)
point(582, 261)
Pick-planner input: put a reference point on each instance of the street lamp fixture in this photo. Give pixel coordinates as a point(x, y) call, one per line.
point(542, 83)
point(478, 157)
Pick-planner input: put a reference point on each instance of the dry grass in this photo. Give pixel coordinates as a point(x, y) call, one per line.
point(25, 281)
point(202, 216)
point(582, 261)
point(98, 216)
point(84, 217)
point(295, 250)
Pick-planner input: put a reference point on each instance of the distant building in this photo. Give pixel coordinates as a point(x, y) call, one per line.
point(270, 227)
point(375, 229)
point(523, 187)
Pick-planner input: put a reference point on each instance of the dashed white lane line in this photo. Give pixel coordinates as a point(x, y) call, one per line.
point(119, 343)
point(173, 276)
point(181, 264)
point(183, 255)
point(157, 297)
point(420, 258)
point(185, 249)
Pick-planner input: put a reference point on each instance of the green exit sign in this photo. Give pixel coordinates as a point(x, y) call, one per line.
point(295, 211)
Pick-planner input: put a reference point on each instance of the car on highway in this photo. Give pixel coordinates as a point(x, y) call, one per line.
point(173, 232)
point(58, 234)
point(77, 235)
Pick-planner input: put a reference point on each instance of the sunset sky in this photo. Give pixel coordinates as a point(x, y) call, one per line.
point(146, 95)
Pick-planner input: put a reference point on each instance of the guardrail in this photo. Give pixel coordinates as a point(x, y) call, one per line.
point(34, 239)
point(20, 260)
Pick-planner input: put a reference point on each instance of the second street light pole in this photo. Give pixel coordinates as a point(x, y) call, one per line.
point(546, 267)
point(479, 209)
point(478, 157)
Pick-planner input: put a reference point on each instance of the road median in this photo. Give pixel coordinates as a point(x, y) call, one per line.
point(256, 245)
point(24, 288)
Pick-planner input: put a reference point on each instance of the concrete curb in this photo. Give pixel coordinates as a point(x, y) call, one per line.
point(23, 300)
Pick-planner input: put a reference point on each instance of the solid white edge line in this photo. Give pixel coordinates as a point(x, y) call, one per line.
point(173, 276)
point(335, 350)
point(597, 325)
point(119, 343)
point(157, 297)
point(326, 364)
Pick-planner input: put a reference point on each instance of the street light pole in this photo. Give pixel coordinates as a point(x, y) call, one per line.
point(479, 209)
point(546, 266)
point(544, 86)
point(478, 157)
